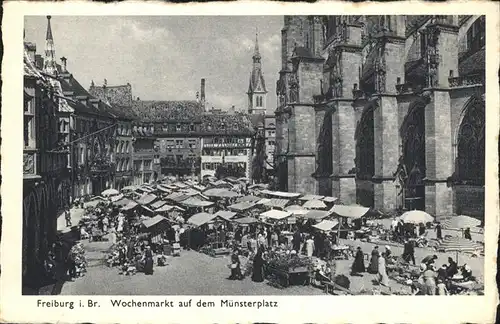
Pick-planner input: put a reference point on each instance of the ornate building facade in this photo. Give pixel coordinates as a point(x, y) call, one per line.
point(227, 142)
point(45, 169)
point(384, 111)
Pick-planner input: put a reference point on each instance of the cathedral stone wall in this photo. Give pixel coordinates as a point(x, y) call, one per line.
point(419, 91)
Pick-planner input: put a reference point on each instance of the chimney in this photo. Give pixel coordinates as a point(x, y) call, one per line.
point(64, 64)
point(202, 94)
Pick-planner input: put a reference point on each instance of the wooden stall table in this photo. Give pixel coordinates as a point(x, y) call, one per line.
point(340, 252)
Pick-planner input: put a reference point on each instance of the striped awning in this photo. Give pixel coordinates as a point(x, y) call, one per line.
point(459, 244)
point(461, 221)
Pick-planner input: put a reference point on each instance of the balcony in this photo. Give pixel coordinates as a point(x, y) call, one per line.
point(464, 81)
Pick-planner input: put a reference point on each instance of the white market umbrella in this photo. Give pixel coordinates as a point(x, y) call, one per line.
point(110, 192)
point(461, 221)
point(416, 217)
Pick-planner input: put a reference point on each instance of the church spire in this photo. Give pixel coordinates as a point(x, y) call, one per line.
point(256, 53)
point(50, 52)
point(257, 87)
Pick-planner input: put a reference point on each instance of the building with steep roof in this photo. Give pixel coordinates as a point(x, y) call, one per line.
point(45, 166)
point(257, 92)
point(226, 142)
point(384, 111)
point(119, 103)
point(165, 133)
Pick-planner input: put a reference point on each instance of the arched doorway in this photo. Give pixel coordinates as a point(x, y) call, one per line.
point(413, 157)
point(365, 158)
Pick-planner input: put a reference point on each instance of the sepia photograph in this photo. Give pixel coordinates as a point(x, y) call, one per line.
point(254, 155)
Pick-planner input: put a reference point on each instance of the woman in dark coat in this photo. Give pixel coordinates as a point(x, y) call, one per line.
point(258, 263)
point(235, 267)
point(373, 267)
point(358, 266)
point(148, 264)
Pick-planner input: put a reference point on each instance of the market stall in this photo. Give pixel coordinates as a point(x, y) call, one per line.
point(288, 269)
point(347, 215)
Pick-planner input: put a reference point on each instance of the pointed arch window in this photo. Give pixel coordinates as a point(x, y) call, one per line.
point(365, 155)
point(470, 153)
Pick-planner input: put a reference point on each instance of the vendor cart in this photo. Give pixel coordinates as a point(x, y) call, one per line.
point(287, 277)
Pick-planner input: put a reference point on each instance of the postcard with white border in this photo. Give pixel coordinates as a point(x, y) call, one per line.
point(250, 162)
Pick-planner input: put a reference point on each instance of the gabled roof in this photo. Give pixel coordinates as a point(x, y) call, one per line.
point(163, 111)
point(222, 124)
point(70, 84)
point(120, 95)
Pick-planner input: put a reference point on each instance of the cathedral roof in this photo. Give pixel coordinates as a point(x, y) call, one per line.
point(167, 111)
point(224, 124)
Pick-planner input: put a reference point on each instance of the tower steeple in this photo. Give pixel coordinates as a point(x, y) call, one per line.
point(256, 53)
point(257, 92)
point(49, 65)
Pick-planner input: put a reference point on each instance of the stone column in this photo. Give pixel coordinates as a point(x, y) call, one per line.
point(302, 155)
point(386, 127)
point(344, 147)
point(438, 154)
point(386, 152)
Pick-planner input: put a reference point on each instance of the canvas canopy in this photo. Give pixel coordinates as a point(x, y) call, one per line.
point(247, 220)
point(225, 214)
point(195, 202)
point(317, 214)
point(122, 202)
point(311, 197)
point(296, 210)
point(326, 225)
point(275, 214)
point(147, 199)
point(242, 206)
point(109, 192)
point(130, 205)
point(220, 193)
point(150, 222)
point(329, 199)
point(180, 185)
point(280, 194)
point(202, 218)
point(129, 188)
point(164, 189)
point(158, 204)
point(352, 211)
point(314, 204)
point(166, 208)
point(276, 202)
point(177, 196)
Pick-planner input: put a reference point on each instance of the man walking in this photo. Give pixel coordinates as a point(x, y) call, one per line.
point(67, 216)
